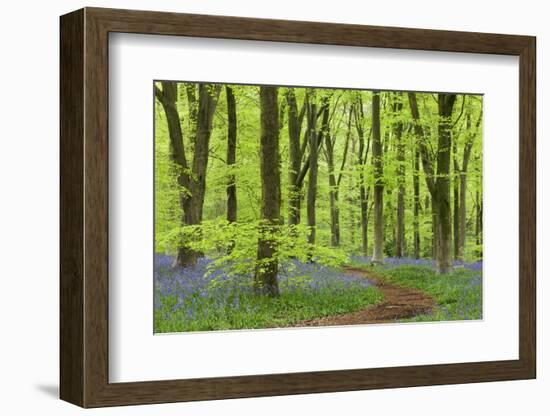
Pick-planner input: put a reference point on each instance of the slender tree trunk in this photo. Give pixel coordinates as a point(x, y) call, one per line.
point(479, 222)
point(191, 92)
point(294, 133)
point(378, 255)
point(416, 207)
point(334, 219)
point(361, 162)
point(313, 170)
point(463, 184)
point(335, 204)
point(363, 195)
point(332, 195)
point(462, 217)
point(352, 224)
point(456, 204)
point(435, 230)
point(351, 197)
point(400, 231)
point(231, 150)
point(445, 104)
point(462, 206)
point(265, 278)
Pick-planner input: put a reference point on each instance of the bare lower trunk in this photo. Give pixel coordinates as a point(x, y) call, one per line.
point(265, 278)
point(442, 187)
point(186, 257)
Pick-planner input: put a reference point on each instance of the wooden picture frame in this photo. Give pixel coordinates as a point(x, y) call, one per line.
point(84, 207)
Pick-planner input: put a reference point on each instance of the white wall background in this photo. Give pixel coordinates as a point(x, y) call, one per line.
point(29, 158)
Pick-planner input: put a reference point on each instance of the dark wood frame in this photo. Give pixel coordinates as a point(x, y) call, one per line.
point(84, 207)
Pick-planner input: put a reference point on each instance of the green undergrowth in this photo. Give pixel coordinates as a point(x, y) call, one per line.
point(457, 295)
point(248, 311)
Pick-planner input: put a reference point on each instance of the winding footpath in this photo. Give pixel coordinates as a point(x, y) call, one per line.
point(399, 303)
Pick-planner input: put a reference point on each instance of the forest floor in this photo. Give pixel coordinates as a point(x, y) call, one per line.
point(399, 303)
point(204, 297)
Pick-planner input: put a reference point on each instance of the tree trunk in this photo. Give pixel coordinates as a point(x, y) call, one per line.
point(400, 231)
point(192, 179)
point(191, 92)
point(479, 222)
point(265, 278)
point(193, 200)
point(378, 255)
point(439, 187)
point(435, 230)
point(443, 195)
point(352, 221)
point(463, 184)
point(462, 216)
point(332, 194)
point(231, 150)
point(428, 167)
point(168, 97)
point(350, 199)
point(313, 170)
point(360, 166)
point(295, 155)
point(335, 202)
point(416, 207)
point(456, 205)
point(364, 204)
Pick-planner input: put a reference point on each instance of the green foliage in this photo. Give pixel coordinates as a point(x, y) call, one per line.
point(246, 170)
point(233, 246)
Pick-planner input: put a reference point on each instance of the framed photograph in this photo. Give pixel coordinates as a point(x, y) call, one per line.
point(254, 207)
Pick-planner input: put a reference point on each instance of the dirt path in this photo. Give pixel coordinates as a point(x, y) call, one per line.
point(399, 303)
